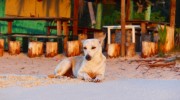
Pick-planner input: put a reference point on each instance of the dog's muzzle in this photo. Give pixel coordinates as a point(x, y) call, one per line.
point(88, 57)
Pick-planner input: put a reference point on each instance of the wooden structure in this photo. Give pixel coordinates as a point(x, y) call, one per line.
point(35, 49)
point(113, 50)
point(123, 23)
point(14, 47)
point(149, 49)
point(73, 48)
point(1, 47)
point(38, 8)
point(130, 49)
point(51, 49)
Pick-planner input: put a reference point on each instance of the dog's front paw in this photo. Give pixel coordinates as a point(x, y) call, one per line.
point(88, 78)
point(96, 80)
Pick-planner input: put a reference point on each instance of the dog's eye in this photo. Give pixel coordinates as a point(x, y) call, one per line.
point(84, 48)
point(93, 48)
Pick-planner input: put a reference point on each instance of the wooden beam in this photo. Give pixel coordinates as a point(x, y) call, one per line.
point(172, 13)
point(123, 23)
point(75, 22)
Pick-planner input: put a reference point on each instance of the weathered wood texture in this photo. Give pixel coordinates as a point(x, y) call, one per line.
point(169, 45)
point(113, 50)
point(73, 48)
point(35, 49)
point(130, 49)
point(1, 47)
point(149, 49)
point(123, 23)
point(14, 47)
point(51, 49)
point(75, 14)
point(172, 12)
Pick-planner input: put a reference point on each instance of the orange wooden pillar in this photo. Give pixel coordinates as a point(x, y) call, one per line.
point(75, 20)
point(66, 33)
point(59, 25)
point(123, 23)
point(9, 31)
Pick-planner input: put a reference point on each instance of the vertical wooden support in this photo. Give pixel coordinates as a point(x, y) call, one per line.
point(73, 48)
point(51, 49)
point(59, 25)
point(75, 14)
point(143, 30)
point(143, 27)
point(113, 50)
point(170, 36)
point(14, 47)
point(128, 9)
point(1, 47)
point(48, 30)
point(172, 13)
point(123, 23)
point(9, 27)
point(66, 33)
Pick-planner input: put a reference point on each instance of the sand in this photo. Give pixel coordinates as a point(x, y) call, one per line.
point(24, 78)
point(21, 70)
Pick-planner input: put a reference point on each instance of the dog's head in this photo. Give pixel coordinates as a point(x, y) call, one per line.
point(92, 47)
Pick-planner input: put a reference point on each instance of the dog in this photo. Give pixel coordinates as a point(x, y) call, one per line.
point(90, 67)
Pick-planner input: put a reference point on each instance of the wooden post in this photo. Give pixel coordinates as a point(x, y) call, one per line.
point(149, 49)
point(66, 31)
point(9, 27)
point(59, 25)
point(73, 48)
point(14, 47)
point(123, 23)
point(130, 49)
point(169, 45)
point(51, 49)
point(172, 13)
point(113, 50)
point(48, 29)
point(128, 10)
point(1, 47)
point(75, 21)
point(170, 36)
point(35, 49)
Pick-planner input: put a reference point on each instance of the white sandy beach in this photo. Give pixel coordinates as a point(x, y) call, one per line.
point(24, 78)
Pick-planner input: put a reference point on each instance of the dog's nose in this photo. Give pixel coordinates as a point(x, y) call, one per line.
point(88, 57)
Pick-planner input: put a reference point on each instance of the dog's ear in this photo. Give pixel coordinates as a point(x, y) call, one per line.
point(82, 41)
point(101, 39)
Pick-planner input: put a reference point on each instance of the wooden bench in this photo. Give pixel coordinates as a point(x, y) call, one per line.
point(26, 38)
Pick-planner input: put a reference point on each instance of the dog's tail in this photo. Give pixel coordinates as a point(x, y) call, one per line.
point(51, 76)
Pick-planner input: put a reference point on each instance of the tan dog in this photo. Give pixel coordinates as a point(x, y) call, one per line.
point(90, 67)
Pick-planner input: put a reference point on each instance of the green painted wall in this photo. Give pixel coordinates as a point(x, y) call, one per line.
point(37, 27)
